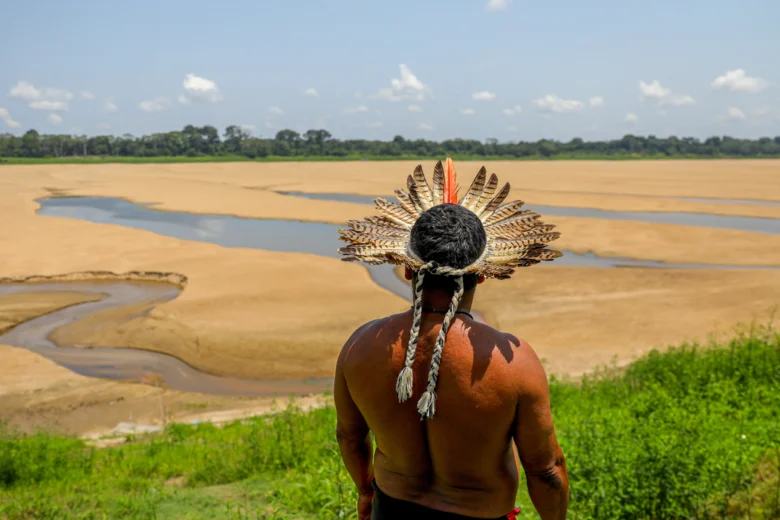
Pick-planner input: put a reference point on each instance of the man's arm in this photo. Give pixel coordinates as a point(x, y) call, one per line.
point(541, 456)
point(354, 438)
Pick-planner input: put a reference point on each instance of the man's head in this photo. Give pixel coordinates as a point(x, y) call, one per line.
point(450, 235)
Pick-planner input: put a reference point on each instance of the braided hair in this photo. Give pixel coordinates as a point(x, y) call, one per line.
point(448, 238)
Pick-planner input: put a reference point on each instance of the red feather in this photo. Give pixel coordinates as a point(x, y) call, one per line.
point(450, 184)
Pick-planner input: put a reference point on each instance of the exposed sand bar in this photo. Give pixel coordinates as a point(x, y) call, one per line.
point(252, 313)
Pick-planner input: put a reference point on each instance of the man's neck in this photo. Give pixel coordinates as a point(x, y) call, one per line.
point(440, 300)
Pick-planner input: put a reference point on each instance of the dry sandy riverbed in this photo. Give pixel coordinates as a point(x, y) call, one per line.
point(264, 314)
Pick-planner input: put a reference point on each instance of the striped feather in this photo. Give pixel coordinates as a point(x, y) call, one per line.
point(499, 272)
point(513, 261)
point(438, 183)
point(369, 250)
point(348, 235)
point(510, 233)
point(395, 212)
point(521, 221)
point(370, 260)
point(487, 194)
point(545, 254)
point(414, 196)
point(406, 202)
point(422, 188)
point(475, 190)
point(360, 226)
point(494, 203)
point(519, 243)
point(386, 222)
point(503, 212)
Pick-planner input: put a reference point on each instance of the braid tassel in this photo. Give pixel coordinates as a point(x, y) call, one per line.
point(405, 382)
point(426, 406)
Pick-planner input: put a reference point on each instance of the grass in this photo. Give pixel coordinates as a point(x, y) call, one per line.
point(330, 158)
point(693, 432)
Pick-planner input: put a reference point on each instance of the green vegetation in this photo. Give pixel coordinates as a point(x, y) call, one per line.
point(693, 432)
point(194, 143)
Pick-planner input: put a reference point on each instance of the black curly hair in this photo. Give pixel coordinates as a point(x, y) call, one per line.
point(450, 235)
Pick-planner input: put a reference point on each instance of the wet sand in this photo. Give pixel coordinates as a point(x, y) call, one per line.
point(18, 308)
point(36, 393)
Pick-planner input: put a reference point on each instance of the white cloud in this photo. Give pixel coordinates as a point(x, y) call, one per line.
point(596, 101)
point(154, 105)
point(311, 92)
point(48, 105)
point(414, 108)
point(483, 96)
point(44, 98)
point(631, 118)
point(735, 114)
point(104, 126)
point(375, 124)
point(497, 5)
point(87, 95)
point(408, 86)
point(425, 126)
point(109, 106)
point(28, 92)
point(199, 89)
point(275, 110)
point(356, 110)
point(512, 128)
point(55, 119)
point(6, 116)
point(467, 111)
point(552, 103)
point(736, 81)
point(513, 111)
point(663, 95)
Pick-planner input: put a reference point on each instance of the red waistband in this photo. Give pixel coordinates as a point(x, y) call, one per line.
point(513, 514)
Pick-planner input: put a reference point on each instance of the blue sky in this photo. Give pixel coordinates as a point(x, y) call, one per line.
point(436, 69)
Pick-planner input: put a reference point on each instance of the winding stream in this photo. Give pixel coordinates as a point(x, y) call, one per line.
point(228, 231)
point(126, 363)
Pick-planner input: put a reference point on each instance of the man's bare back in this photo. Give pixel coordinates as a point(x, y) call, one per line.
point(492, 390)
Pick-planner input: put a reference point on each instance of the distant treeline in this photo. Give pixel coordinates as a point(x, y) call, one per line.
point(193, 141)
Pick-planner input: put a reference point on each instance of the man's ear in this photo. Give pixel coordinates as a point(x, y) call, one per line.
point(408, 273)
point(481, 279)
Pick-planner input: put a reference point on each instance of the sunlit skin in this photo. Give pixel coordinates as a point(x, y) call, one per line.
point(493, 405)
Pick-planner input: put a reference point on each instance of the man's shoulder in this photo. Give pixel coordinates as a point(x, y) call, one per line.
point(370, 330)
point(375, 325)
point(519, 357)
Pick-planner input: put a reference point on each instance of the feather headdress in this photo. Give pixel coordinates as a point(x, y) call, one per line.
point(515, 238)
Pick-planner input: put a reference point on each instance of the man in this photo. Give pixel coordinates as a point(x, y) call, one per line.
point(450, 454)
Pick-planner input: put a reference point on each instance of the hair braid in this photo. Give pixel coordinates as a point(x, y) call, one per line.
point(427, 403)
point(405, 382)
